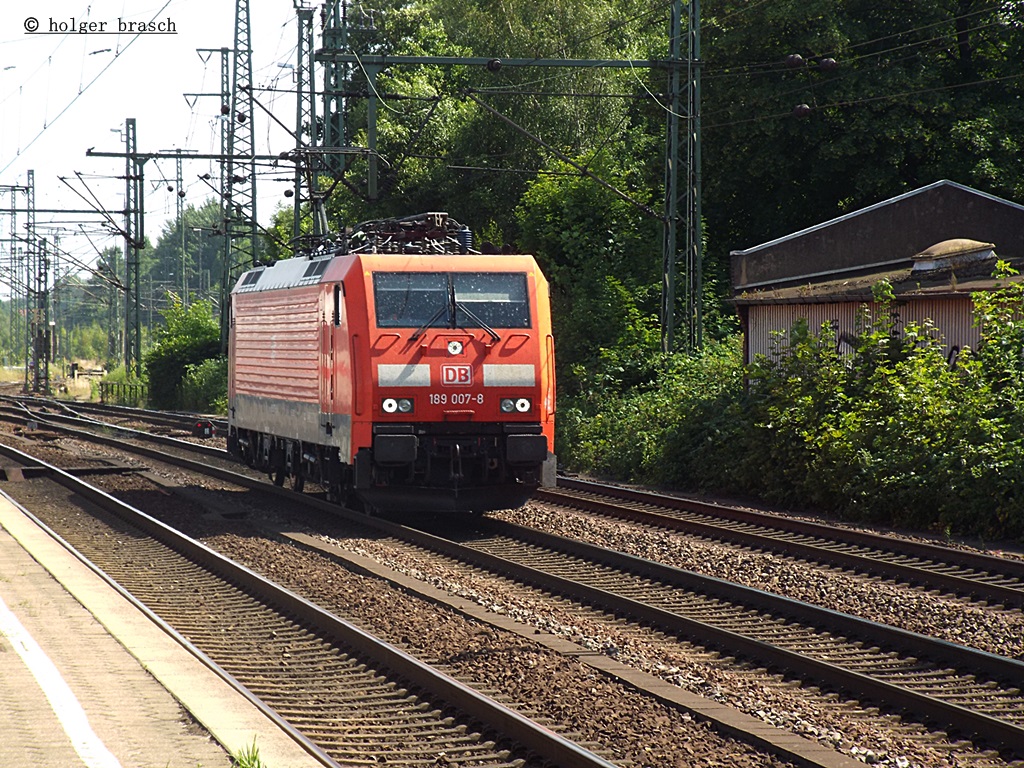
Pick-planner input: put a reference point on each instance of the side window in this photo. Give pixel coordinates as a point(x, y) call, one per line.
point(337, 305)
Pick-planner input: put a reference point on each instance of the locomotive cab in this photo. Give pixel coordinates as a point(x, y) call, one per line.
point(464, 390)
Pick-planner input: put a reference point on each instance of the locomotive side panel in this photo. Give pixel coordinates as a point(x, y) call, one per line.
point(344, 344)
point(547, 374)
point(336, 370)
point(276, 363)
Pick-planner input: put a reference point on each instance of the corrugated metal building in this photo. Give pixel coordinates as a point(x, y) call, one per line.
point(935, 246)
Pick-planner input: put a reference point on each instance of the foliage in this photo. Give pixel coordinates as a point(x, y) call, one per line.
point(920, 91)
point(636, 434)
point(189, 254)
point(248, 756)
point(126, 389)
point(204, 387)
point(190, 336)
point(119, 375)
point(89, 342)
point(892, 433)
point(590, 245)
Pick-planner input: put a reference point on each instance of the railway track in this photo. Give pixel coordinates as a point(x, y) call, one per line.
point(982, 577)
point(106, 413)
point(967, 691)
point(962, 692)
point(341, 693)
point(994, 580)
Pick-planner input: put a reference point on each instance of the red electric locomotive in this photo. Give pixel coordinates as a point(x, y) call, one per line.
point(401, 371)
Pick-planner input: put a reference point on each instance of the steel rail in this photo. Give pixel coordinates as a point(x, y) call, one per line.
point(971, 661)
point(531, 735)
point(958, 584)
point(112, 505)
point(164, 418)
point(56, 420)
point(954, 717)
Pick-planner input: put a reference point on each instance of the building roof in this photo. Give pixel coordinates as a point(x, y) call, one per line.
point(841, 259)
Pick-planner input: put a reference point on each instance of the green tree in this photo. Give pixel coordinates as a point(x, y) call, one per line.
point(88, 309)
point(595, 250)
point(193, 247)
point(898, 96)
point(189, 337)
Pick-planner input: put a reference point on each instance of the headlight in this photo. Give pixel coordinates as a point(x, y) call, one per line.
point(523, 404)
point(397, 405)
point(508, 405)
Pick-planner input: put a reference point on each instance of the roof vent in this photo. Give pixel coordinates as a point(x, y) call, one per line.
point(252, 278)
point(315, 268)
point(953, 253)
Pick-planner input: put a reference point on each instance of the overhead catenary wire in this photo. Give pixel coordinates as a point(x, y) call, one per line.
point(776, 65)
point(83, 90)
point(873, 99)
point(849, 70)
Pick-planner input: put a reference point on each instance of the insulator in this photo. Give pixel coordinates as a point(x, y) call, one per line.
point(801, 110)
point(465, 238)
point(170, 187)
point(794, 60)
point(181, 193)
point(827, 64)
point(225, 109)
point(289, 192)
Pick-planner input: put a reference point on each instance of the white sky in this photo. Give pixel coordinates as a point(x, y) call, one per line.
point(61, 94)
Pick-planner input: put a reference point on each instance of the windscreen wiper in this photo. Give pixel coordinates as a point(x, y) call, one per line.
point(478, 321)
point(448, 307)
point(433, 319)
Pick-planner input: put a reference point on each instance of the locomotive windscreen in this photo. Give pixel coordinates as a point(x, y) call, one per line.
point(451, 300)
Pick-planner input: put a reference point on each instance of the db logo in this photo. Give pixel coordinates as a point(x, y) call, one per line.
point(456, 375)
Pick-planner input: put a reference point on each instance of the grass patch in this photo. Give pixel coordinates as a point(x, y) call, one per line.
point(248, 757)
point(10, 374)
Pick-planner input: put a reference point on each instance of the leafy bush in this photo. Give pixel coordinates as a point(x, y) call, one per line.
point(190, 336)
point(892, 433)
point(632, 434)
point(204, 388)
point(121, 387)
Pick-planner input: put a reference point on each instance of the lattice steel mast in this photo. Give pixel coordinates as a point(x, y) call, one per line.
point(135, 241)
point(684, 109)
point(239, 193)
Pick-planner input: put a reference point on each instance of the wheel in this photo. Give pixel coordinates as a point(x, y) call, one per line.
point(298, 482)
point(278, 475)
